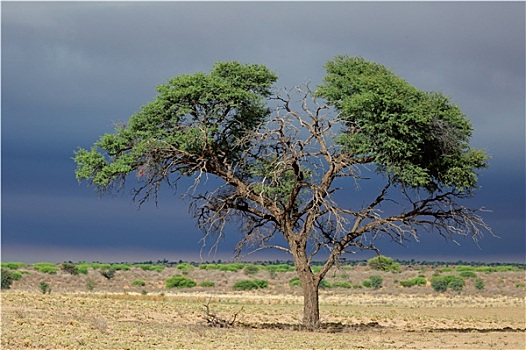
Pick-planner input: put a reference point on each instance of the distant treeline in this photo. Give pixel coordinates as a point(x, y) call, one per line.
point(285, 265)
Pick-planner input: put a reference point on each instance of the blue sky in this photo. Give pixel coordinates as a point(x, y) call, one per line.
point(70, 70)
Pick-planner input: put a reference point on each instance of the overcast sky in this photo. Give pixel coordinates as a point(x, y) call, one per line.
point(70, 70)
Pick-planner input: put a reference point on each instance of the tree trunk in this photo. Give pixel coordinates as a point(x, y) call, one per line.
point(310, 284)
point(311, 308)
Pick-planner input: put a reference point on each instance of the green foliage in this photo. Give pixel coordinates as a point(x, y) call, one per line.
point(341, 284)
point(180, 282)
point(295, 282)
point(374, 282)
point(207, 284)
point(442, 283)
point(16, 275)
point(193, 114)
point(383, 263)
point(250, 284)
point(479, 284)
point(418, 138)
point(139, 283)
point(108, 272)
point(13, 265)
point(7, 278)
point(280, 268)
point(44, 288)
point(251, 269)
point(487, 269)
point(467, 274)
point(70, 268)
point(46, 267)
point(121, 267)
point(83, 268)
point(417, 281)
point(185, 267)
point(150, 267)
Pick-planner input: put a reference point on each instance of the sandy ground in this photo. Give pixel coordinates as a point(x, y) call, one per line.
point(82, 320)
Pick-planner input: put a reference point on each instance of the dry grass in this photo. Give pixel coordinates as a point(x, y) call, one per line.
point(118, 316)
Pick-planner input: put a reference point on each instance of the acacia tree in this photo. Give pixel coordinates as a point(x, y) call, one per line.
point(283, 171)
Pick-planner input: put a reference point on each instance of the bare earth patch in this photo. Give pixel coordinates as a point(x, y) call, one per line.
point(265, 321)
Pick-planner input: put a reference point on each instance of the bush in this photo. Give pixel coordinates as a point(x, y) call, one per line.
point(417, 281)
point(374, 282)
point(70, 268)
point(468, 274)
point(457, 284)
point(109, 273)
point(250, 284)
point(46, 267)
point(280, 268)
point(442, 283)
point(251, 269)
point(13, 265)
point(139, 283)
point(16, 276)
point(185, 267)
point(44, 288)
point(83, 268)
point(295, 282)
point(207, 284)
point(383, 263)
point(479, 284)
point(120, 267)
point(180, 282)
point(341, 284)
point(7, 278)
point(150, 267)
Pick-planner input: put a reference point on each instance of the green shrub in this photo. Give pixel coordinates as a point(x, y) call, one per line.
point(180, 282)
point(44, 288)
point(280, 268)
point(16, 275)
point(207, 284)
point(250, 284)
point(251, 269)
point(139, 283)
point(324, 284)
point(121, 267)
point(233, 267)
point(70, 268)
point(376, 282)
point(295, 282)
point(150, 267)
point(467, 274)
point(442, 283)
point(109, 272)
point(46, 267)
point(185, 267)
point(383, 263)
point(439, 284)
point(13, 265)
point(479, 284)
point(7, 278)
point(456, 284)
point(341, 284)
point(83, 268)
point(417, 281)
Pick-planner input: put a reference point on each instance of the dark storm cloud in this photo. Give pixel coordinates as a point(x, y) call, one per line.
point(72, 69)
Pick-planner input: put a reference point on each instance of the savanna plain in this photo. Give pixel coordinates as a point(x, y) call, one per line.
point(212, 306)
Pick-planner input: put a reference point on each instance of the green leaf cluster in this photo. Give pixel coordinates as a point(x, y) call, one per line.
point(418, 138)
point(193, 116)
